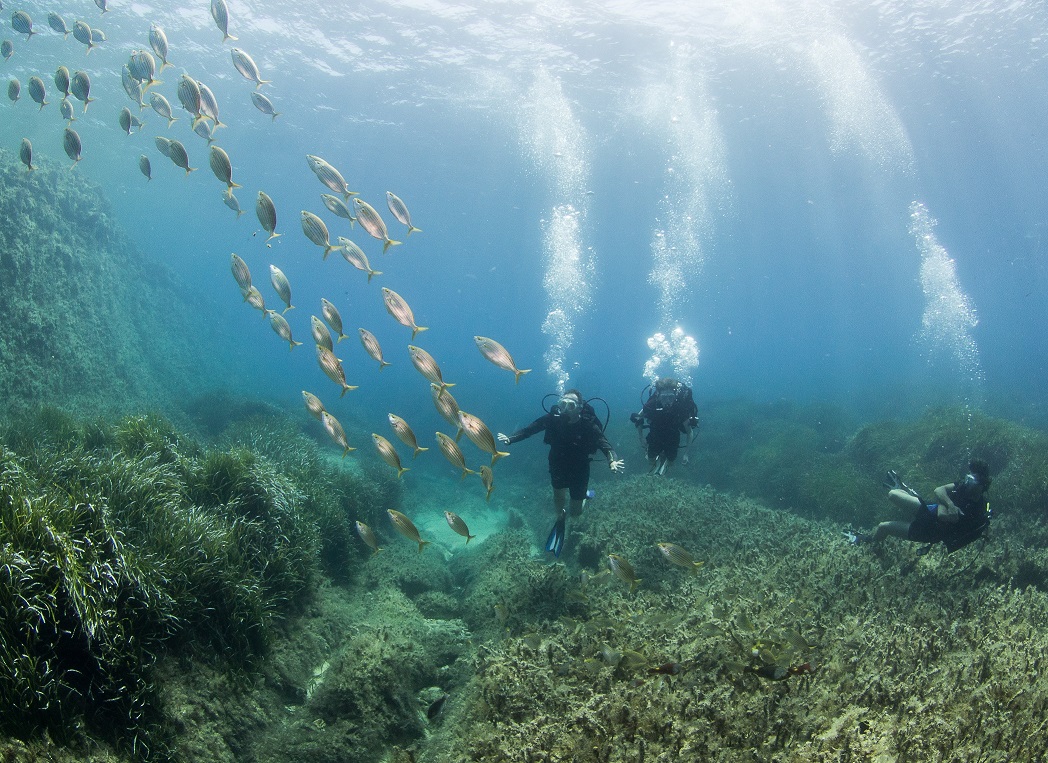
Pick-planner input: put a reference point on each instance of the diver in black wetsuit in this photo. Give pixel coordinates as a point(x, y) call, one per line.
point(668, 413)
point(573, 433)
point(961, 515)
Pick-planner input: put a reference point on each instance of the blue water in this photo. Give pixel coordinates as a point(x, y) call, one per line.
point(804, 133)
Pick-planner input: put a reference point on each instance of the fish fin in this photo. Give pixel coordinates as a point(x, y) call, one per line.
point(293, 344)
point(419, 449)
point(497, 455)
point(417, 329)
point(261, 82)
point(400, 472)
point(520, 372)
point(458, 434)
point(289, 307)
point(469, 537)
point(382, 364)
point(164, 65)
point(228, 36)
point(466, 470)
point(273, 235)
point(413, 229)
point(389, 242)
point(373, 273)
point(422, 544)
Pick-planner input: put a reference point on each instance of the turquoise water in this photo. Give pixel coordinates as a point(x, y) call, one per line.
point(838, 202)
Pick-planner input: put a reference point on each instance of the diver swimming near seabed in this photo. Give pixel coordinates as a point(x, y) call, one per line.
point(668, 412)
point(574, 434)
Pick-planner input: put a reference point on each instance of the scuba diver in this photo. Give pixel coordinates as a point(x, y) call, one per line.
point(668, 413)
point(961, 515)
point(573, 433)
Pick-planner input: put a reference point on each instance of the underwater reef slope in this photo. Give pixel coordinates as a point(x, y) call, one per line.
point(87, 321)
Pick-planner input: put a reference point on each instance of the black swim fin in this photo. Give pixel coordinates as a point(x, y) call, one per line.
point(555, 541)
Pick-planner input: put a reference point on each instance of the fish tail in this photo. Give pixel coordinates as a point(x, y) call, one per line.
point(190, 169)
point(497, 455)
point(418, 449)
point(417, 329)
point(389, 242)
point(458, 434)
point(289, 307)
point(466, 470)
point(164, 65)
point(294, 344)
point(273, 235)
point(233, 185)
point(277, 114)
point(328, 249)
point(347, 449)
point(520, 372)
point(373, 273)
point(413, 229)
point(228, 36)
point(400, 472)
point(487, 497)
point(469, 537)
point(422, 544)
point(382, 364)
point(262, 82)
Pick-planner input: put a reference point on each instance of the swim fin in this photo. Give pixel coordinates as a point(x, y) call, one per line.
point(555, 541)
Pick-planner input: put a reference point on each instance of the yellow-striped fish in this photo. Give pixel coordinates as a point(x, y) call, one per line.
point(283, 329)
point(62, 80)
point(332, 316)
point(400, 211)
point(241, 273)
point(72, 145)
point(321, 335)
point(80, 87)
point(254, 298)
point(455, 523)
point(368, 536)
point(316, 231)
point(389, 453)
point(329, 176)
point(162, 106)
point(178, 156)
point(332, 366)
point(22, 23)
point(453, 453)
point(498, 355)
point(189, 96)
point(37, 91)
point(406, 528)
point(146, 169)
point(247, 67)
point(25, 153)
point(221, 166)
point(488, 478)
point(370, 221)
point(267, 215)
point(398, 308)
point(313, 405)
point(623, 570)
point(158, 42)
point(674, 554)
point(220, 13)
point(406, 435)
point(447, 407)
point(337, 207)
point(281, 285)
point(335, 430)
point(479, 434)
point(66, 108)
point(356, 257)
point(372, 346)
point(163, 145)
point(427, 366)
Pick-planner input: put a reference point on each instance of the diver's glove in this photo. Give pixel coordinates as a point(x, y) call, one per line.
point(503, 438)
point(616, 464)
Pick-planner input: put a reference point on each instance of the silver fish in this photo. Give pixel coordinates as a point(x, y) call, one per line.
point(479, 434)
point(162, 107)
point(37, 91)
point(142, 66)
point(209, 105)
point(338, 207)
point(623, 571)
point(264, 105)
point(22, 24)
point(189, 95)
point(132, 86)
point(103, 5)
point(328, 175)
point(14, 89)
point(220, 165)
point(163, 145)
point(335, 430)
point(488, 478)
point(498, 355)
point(447, 407)
point(427, 366)
point(405, 434)
point(145, 167)
point(400, 211)
point(25, 153)
point(368, 536)
point(205, 130)
point(66, 109)
point(57, 23)
point(313, 404)
point(332, 366)
point(283, 329)
point(398, 308)
point(220, 13)
point(370, 221)
point(356, 257)
point(97, 36)
point(179, 156)
point(158, 42)
point(62, 81)
point(389, 454)
point(321, 335)
point(674, 554)
point(80, 86)
point(406, 528)
point(127, 120)
point(372, 347)
point(316, 231)
point(267, 215)
point(231, 201)
point(281, 285)
point(7, 49)
point(332, 316)
point(254, 298)
point(455, 523)
point(453, 453)
point(247, 67)
point(82, 33)
point(241, 272)
point(72, 145)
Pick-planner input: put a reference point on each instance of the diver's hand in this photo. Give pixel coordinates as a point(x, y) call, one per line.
point(503, 438)
point(617, 465)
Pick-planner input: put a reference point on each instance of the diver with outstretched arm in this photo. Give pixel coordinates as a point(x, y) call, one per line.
point(573, 433)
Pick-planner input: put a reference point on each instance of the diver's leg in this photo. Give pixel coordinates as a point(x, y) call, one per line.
point(560, 500)
point(904, 500)
point(895, 529)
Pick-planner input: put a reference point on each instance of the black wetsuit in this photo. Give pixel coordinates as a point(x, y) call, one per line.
point(973, 521)
point(570, 446)
point(666, 423)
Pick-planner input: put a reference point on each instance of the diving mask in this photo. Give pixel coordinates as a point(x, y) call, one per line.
point(568, 406)
point(970, 480)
